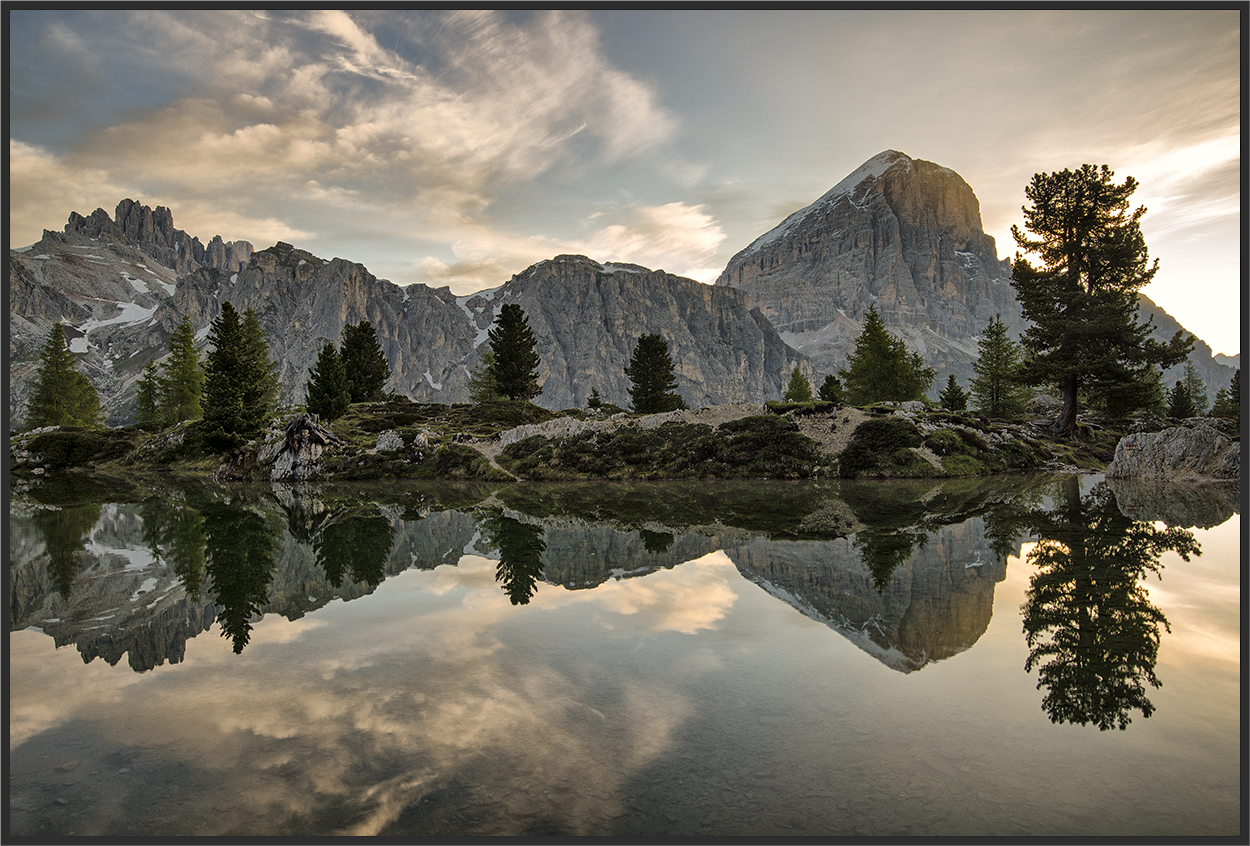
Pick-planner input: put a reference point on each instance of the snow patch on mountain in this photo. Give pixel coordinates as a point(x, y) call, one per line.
point(873, 168)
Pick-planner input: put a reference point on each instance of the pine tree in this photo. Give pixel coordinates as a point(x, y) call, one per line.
point(148, 399)
point(240, 383)
point(652, 383)
point(1082, 301)
point(1197, 389)
point(223, 391)
point(594, 400)
point(182, 387)
point(996, 391)
point(326, 390)
point(1228, 400)
point(1181, 402)
point(831, 389)
point(62, 396)
point(365, 363)
point(799, 389)
point(482, 385)
point(260, 372)
point(953, 397)
point(516, 363)
point(881, 369)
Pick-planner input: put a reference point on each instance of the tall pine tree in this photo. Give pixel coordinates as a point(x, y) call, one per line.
point(996, 389)
point(365, 363)
point(653, 387)
point(1082, 300)
point(182, 388)
point(326, 389)
point(516, 363)
point(62, 396)
point(881, 369)
point(241, 383)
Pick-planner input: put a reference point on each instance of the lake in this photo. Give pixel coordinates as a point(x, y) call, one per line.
point(1051, 656)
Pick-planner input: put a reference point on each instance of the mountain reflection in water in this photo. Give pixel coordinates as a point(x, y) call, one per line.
point(904, 570)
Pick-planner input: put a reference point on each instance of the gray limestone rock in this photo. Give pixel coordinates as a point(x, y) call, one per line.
point(899, 234)
point(1193, 452)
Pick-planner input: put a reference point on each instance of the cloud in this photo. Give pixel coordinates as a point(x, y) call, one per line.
point(679, 238)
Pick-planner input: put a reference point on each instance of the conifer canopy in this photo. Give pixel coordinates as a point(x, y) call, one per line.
point(1082, 300)
point(881, 369)
point(516, 363)
point(62, 396)
point(653, 387)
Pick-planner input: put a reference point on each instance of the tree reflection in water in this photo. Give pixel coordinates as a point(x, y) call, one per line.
point(241, 549)
point(357, 541)
point(520, 548)
point(1091, 630)
point(64, 533)
point(174, 533)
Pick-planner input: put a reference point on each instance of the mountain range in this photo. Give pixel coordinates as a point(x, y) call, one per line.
point(898, 234)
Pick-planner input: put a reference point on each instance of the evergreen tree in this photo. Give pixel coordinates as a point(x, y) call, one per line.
point(62, 396)
point(594, 400)
point(799, 389)
point(1181, 402)
point(223, 390)
point(653, 387)
point(831, 389)
point(516, 363)
point(880, 369)
point(482, 385)
point(182, 387)
point(996, 391)
point(326, 389)
point(1228, 400)
point(365, 363)
point(148, 399)
point(1197, 389)
point(261, 375)
point(1083, 299)
point(240, 382)
point(953, 397)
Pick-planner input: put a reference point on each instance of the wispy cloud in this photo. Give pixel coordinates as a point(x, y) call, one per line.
point(290, 110)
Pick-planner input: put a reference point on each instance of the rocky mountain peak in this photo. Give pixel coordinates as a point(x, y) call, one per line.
point(152, 231)
point(898, 234)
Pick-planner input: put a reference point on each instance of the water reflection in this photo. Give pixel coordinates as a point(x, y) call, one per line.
point(65, 532)
point(240, 549)
point(1092, 632)
point(521, 548)
point(906, 571)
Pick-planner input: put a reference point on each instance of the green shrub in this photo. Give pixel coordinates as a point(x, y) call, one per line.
point(876, 446)
point(76, 447)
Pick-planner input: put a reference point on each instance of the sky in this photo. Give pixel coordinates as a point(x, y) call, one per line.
point(458, 148)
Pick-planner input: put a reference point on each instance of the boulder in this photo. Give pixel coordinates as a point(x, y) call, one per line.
point(1196, 451)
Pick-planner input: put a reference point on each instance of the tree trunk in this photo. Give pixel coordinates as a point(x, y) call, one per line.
point(1065, 423)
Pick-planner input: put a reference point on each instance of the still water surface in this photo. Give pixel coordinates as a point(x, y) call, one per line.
point(1007, 657)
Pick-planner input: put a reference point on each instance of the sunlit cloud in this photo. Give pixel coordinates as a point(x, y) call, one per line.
point(675, 237)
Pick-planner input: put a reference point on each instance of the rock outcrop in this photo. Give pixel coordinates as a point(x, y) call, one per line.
point(152, 231)
point(1196, 451)
point(899, 234)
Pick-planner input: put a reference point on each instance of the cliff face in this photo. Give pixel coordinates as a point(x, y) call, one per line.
point(588, 317)
point(152, 231)
point(122, 307)
point(899, 234)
